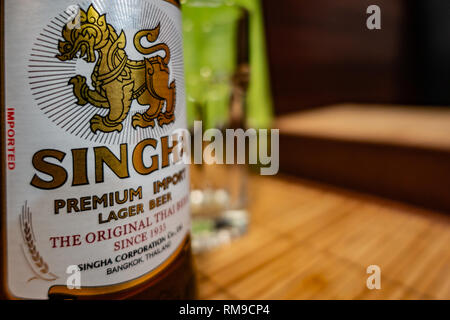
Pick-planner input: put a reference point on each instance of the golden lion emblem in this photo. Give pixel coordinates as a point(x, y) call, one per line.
point(117, 80)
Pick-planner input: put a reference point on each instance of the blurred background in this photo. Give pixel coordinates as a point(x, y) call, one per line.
point(390, 133)
point(327, 55)
point(322, 54)
point(364, 124)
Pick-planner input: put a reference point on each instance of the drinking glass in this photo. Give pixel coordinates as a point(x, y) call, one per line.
point(216, 45)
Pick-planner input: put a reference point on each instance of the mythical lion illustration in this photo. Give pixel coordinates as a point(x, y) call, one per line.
point(118, 80)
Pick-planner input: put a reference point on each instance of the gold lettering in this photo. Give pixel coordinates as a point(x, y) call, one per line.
point(136, 193)
point(166, 151)
point(138, 157)
point(58, 173)
point(119, 166)
point(79, 159)
point(96, 201)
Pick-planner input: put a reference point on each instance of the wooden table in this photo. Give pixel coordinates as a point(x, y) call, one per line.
point(309, 241)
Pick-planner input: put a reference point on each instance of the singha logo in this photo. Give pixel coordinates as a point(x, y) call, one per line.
point(117, 80)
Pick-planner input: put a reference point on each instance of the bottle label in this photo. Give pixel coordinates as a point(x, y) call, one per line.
point(96, 196)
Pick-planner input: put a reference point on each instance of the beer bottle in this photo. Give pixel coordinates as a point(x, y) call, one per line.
point(95, 197)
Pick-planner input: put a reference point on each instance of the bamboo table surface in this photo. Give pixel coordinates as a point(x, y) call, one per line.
point(309, 241)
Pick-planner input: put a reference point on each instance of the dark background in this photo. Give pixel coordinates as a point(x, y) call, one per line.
point(321, 52)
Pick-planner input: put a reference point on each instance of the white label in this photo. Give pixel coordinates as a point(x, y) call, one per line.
point(93, 94)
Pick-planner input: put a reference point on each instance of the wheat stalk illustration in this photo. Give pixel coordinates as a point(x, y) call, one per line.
point(34, 258)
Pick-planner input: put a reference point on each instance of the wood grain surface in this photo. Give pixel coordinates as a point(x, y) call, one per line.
point(423, 127)
point(398, 152)
point(310, 241)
